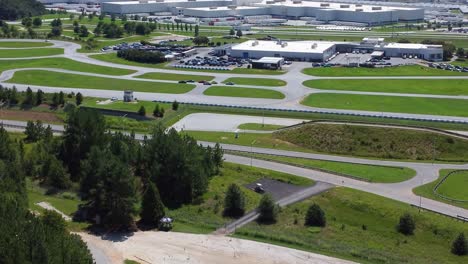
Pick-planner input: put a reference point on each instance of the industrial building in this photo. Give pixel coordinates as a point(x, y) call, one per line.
point(322, 51)
point(290, 9)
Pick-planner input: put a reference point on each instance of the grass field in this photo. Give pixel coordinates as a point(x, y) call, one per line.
point(255, 81)
point(361, 227)
point(397, 104)
point(207, 216)
point(377, 142)
point(37, 194)
point(426, 190)
point(440, 86)
point(61, 63)
point(174, 77)
point(257, 126)
point(382, 174)
point(381, 143)
point(233, 91)
point(56, 79)
point(23, 53)
point(14, 44)
point(411, 70)
point(455, 186)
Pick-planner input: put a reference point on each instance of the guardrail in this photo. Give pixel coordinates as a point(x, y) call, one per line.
point(458, 217)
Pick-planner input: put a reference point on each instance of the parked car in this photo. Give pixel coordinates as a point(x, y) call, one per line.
point(259, 188)
point(230, 83)
point(182, 82)
point(206, 83)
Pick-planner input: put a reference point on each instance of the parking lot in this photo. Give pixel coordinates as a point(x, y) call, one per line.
point(205, 60)
point(365, 58)
point(448, 67)
point(276, 188)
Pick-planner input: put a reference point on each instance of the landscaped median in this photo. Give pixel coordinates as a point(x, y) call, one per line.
point(408, 86)
point(24, 53)
point(174, 76)
point(255, 81)
point(396, 104)
point(233, 91)
point(67, 80)
point(27, 44)
point(410, 70)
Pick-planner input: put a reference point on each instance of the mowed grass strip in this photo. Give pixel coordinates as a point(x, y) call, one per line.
point(361, 227)
point(61, 63)
point(410, 70)
point(24, 53)
point(233, 91)
point(57, 79)
point(14, 44)
point(381, 174)
point(455, 186)
point(410, 86)
point(461, 183)
point(256, 81)
point(397, 104)
point(174, 76)
point(257, 126)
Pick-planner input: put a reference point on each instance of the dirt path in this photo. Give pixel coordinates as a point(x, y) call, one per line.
point(172, 248)
point(48, 206)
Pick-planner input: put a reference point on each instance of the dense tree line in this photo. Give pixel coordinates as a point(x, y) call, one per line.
point(27, 238)
point(109, 30)
point(17, 9)
point(141, 56)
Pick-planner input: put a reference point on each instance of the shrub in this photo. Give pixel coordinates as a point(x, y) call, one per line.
point(406, 225)
point(315, 216)
point(234, 202)
point(267, 209)
point(460, 245)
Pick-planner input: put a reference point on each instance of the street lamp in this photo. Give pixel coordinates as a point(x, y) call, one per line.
point(251, 152)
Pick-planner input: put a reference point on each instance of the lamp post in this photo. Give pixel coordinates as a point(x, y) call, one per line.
point(251, 152)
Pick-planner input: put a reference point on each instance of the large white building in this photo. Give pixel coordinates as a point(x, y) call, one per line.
point(293, 9)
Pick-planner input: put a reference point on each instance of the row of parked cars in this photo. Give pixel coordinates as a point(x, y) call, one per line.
point(448, 67)
point(214, 61)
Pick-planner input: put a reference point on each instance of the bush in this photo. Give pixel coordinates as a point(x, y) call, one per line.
point(406, 225)
point(460, 245)
point(142, 111)
point(315, 216)
point(234, 202)
point(267, 209)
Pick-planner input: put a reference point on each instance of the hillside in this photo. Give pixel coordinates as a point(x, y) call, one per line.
point(17, 9)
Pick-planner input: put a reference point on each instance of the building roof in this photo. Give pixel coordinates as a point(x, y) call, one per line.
point(269, 60)
point(284, 46)
point(156, 2)
point(224, 8)
point(395, 45)
point(335, 6)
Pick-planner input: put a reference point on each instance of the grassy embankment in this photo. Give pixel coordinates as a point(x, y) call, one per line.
point(174, 76)
point(411, 70)
point(395, 104)
point(256, 81)
point(454, 187)
point(257, 126)
point(362, 141)
point(409, 86)
point(24, 53)
point(361, 227)
point(233, 91)
point(57, 79)
point(14, 44)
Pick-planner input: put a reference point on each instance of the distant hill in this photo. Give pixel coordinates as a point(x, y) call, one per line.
point(17, 9)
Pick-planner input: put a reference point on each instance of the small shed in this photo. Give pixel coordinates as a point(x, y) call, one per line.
point(128, 96)
point(268, 63)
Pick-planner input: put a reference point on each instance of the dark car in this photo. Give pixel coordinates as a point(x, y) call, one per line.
point(182, 82)
point(259, 188)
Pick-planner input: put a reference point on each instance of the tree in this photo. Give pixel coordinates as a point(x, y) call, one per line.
point(79, 98)
point(17, 9)
point(406, 225)
point(37, 22)
point(156, 111)
point(232, 32)
point(142, 29)
point(190, 27)
point(39, 97)
point(56, 31)
point(84, 31)
point(200, 40)
point(152, 208)
point(33, 131)
point(175, 105)
point(234, 201)
point(315, 216)
point(267, 209)
point(449, 27)
point(29, 98)
point(56, 175)
point(239, 33)
point(186, 27)
point(61, 98)
point(461, 52)
point(197, 31)
point(27, 22)
point(460, 245)
point(142, 111)
point(56, 23)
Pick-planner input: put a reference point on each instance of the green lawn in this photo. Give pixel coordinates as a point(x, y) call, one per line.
point(14, 44)
point(411, 70)
point(207, 216)
point(112, 58)
point(61, 63)
point(440, 86)
point(460, 62)
point(174, 77)
point(37, 194)
point(233, 91)
point(361, 227)
point(398, 104)
point(56, 79)
point(23, 53)
point(382, 174)
point(426, 190)
point(455, 186)
point(257, 126)
point(256, 81)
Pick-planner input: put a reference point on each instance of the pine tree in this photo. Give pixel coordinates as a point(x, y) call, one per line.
point(142, 111)
point(232, 32)
point(239, 33)
point(156, 111)
point(152, 208)
point(55, 100)
point(197, 31)
point(406, 225)
point(79, 98)
point(175, 105)
point(61, 98)
point(460, 245)
point(315, 216)
point(234, 202)
point(267, 209)
point(39, 97)
point(28, 99)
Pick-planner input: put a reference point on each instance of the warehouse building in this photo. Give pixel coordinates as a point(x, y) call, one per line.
point(422, 51)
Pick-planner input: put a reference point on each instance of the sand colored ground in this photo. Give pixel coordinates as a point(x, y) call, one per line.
point(175, 248)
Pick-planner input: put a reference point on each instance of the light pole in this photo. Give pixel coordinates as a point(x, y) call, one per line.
point(251, 152)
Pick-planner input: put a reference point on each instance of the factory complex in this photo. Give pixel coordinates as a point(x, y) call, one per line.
point(285, 9)
point(321, 51)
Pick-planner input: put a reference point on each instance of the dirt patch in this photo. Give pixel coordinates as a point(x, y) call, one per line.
point(277, 189)
point(25, 115)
